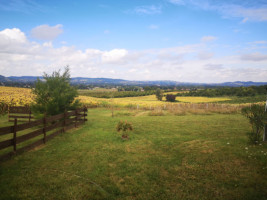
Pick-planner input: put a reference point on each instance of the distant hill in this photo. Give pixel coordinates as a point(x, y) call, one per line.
point(110, 81)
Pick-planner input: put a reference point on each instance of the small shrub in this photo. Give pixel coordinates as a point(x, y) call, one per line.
point(170, 97)
point(125, 127)
point(257, 118)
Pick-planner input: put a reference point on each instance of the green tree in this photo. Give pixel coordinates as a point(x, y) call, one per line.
point(159, 94)
point(54, 94)
point(170, 97)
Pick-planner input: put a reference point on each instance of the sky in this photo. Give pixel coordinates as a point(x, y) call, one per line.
point(206, 41)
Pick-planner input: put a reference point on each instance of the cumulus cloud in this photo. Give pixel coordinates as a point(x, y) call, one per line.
point(191, 63)
point(11, 40)
point(114, 56)
point(208, 38)
point(46, 32)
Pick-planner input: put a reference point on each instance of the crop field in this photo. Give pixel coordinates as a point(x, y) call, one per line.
point(166, 157)
point(23, 96)
point(16, 96)
point(146, 101)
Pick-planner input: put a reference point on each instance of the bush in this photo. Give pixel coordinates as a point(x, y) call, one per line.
point(125, 127)
point(170, 97)
point(257, 118)
point(54, 94)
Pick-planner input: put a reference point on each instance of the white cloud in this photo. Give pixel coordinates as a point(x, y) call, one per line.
point(246, 10)
point(148, 10)
point(114, 56)
point(259, 42)
point(205, 55)
point(254, 57)
point(213, 66)
point(208, 38)
point(190, 63)
point(12, 35)
point(249, 14)
point(46, 32)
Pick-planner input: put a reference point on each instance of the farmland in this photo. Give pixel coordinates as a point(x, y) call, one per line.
point(23, 96)
point(191, 149)
point(16, 96)
point(166, 157)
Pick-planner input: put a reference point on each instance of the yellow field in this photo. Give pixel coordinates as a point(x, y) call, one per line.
point(146, 101)
point(16, 96)
point(23, 96)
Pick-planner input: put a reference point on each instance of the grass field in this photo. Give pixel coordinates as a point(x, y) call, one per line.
point(166, 157)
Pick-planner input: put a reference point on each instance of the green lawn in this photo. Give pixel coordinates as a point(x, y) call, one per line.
point(167, 157)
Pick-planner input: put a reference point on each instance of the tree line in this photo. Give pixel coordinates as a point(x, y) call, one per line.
point(227, 91)
point(116, 94)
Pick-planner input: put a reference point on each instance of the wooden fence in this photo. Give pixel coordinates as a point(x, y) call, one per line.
point(22, 137)
point(20, 113)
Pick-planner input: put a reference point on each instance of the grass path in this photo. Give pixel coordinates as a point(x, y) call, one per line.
point(166, 157)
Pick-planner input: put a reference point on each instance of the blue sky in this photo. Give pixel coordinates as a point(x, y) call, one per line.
point(181, 40)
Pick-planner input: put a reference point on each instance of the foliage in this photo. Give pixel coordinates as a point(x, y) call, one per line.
point(242, 100)
point(124, 126)
point(170, 97)
point(257, 118)
point(3, 108)
point(114, 94)
point(54, 95)
point(159, 94)
point(228, 91)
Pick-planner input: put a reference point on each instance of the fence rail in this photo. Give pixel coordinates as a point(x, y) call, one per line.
point(22, 137)
point(20, 113)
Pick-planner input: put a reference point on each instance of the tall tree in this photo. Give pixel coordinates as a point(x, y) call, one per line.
point(159, 94)
point(54, 94)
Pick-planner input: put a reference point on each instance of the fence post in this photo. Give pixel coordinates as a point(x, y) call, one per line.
point(44, 129)
point(84, 115)
point(15, 136)
point(76, 116)
point(8, 108)
point(30, 116)
point(265, 126)
point(64, 123)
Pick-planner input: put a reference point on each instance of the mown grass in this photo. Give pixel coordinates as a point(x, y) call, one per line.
point(166, 157)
